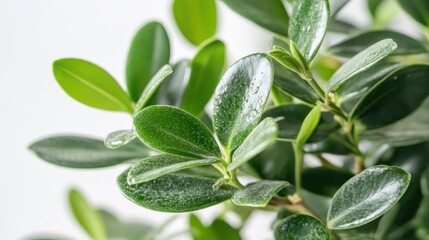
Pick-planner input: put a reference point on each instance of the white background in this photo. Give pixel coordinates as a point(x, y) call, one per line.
point(33, 34)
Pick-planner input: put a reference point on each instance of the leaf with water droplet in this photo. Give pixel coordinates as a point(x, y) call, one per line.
point(300, 226)
point(119, 138)
point(258, 194)
point(155, 166)
point(367, 196)
point(172, 130)
point(175, 192)
point(240, 99)
point(361, 62)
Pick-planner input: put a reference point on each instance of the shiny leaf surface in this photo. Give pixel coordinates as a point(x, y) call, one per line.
point(301, 226)
point(91, 85)
point(261, 137)
point(175, 192)
point(206, 70)
point(308, 25)
point(308, 126)
point(324, 181)
point(258, 194)
point(361, 62)
point(367, 196)
point(159, 165)
point(173, 87)
point(197, 20)
point(167, 129)
point(119, 138)
point(240, 98)
point(149, 51)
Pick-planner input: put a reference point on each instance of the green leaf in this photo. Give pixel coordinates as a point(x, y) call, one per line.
point(224, 231)
point(258, 194)
point(308, 126)
point(218, 230)
point(367, 196)
point(358, 43)
point(373, 6)
point(417, 9)
point(152, 86)
point(293, 84)
point(88, 217)
point(352, 90)
point(324, 181)
point(410, 130)
point(288, 61)
point(422, 219)
point(116, 229)
point(196, 19)
point(83, 152)
point(206, 70)
point(119, 138)
point(308, 26)
point(393, 98)
point(337, 5)
point(155, 166)
point(149, 51)
point(240, 99)
point(91, 85)
point(167, 129)
point(269, 14)
point(175, 192)
point(261, 137)
point(172, 88)
point(301, 226)
point(280, 97)
point(335, 143)
point(340, 26)
point(424, 182)
point(361, 62)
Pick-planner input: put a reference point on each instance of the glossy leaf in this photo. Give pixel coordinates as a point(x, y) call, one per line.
point(175, 192)
point(280, 97)
point(240, 99)
point(417, 9)
point(197, 20)
point(159, 165)
point(356, 44)
point(308, 26)
point(206, 70)
point(352, 90)
point(324, 181)
point(149, 51)
point(367, 196)
point(258, 194)
point(293, 84)
point(361, 62)
point(172, 88)
point(308, 126)
point(152, 86)
point(261, 137)
point(91, 85)
point(301, 226)
point(167, 128)
point(218, 230)
point(83, 152)
point(119, 138)
point(88, 217)
point(269, 14)
point(394, 97)
point(410, 130)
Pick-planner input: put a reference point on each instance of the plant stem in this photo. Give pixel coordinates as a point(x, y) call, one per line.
point(234, 179)
point(316, 88)
point(298, 167)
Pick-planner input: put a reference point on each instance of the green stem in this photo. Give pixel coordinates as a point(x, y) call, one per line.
point(298, 153)
point(317, 88)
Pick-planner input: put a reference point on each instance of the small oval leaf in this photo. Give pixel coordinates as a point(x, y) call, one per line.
point(308, 126)
point(91, 85)
point(149, 51)
point(258, 194)
point(167, 129)
point(269, 14)
point(88, 217)
point(83, 152)
point(196, 19)
point(175, 192)
point(367, 196)
point(152, 86)
point(206, 70)
point(361, 62)
point(119, 138)
point(155, 166)
point(263, 136)
point(299, 226)
point(172, 88)
point(308, 25)
point(240, 99)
